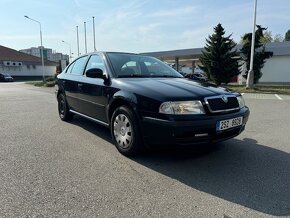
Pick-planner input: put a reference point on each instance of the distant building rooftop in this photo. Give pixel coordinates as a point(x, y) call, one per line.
point(8, 54)
point(278, 48)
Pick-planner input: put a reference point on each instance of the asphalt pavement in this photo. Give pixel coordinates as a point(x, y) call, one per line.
point(51, 168)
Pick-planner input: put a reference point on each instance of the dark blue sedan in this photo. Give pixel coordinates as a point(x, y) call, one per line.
point(145, 102)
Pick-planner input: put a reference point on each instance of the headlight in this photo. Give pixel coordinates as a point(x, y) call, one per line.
point(181, 107)
point(241, 101)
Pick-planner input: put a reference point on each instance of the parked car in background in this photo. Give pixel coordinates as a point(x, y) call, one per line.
point(200, 76)
point(198, 70)
point(4, 77)
point(145, 102)
point(197, 76)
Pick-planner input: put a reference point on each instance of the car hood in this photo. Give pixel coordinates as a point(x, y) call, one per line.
point(169, 89)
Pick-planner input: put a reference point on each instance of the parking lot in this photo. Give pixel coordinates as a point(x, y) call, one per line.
point(51, 168)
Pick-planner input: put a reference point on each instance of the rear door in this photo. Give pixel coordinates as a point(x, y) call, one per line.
point(71, 82)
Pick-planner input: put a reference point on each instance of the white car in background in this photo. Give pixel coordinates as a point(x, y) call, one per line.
point(198, 70)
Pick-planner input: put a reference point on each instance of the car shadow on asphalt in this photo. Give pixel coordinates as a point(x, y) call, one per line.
point(97, 129)
point(240, 171)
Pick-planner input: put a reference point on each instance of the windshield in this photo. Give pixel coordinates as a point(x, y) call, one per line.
point(130, 65)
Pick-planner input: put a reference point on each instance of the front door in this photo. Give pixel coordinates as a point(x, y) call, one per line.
point(93, 91)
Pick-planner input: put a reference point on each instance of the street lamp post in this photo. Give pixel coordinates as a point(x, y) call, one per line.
point(85, 37)
point(70, 54)
point(78, 43)
point(94, 33)
point(250, 78)
point(41, 46)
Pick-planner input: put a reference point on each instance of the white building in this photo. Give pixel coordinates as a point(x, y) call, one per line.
point(19, 64)
point(48, 54)
point(275, 70)
point(59, 57)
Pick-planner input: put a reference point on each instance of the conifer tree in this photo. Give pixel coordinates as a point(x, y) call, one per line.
point(287, 36)
point(220, 60)
point(260, 54)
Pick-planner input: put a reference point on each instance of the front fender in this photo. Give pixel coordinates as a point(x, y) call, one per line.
point(124, 95)
point(121, 97)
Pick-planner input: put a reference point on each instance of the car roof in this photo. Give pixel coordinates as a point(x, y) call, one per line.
point(110, 52)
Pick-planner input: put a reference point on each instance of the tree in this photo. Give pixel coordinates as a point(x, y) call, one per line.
point(260, 54)
point(287, 36)
point(278, 38)
point(219, 58)
point(267, 37)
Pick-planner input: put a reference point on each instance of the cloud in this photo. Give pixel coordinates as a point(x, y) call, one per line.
point(193, 38)
point(18, 37)
point(149, 28)
point(137, 25)
point(77, 3)
point(175, 12)
point(27, 37)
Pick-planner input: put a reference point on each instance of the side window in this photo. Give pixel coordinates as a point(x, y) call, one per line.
point(79, 66)
point(69, 68)
point(95, 62)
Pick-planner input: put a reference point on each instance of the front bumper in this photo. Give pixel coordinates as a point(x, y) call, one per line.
point(200, 130)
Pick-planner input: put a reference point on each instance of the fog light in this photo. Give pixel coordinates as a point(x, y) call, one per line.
point(201, 135)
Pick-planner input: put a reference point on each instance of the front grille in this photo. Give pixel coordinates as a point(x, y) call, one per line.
point(222, 103)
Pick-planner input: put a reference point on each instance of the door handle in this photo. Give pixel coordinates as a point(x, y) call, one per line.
point(80, 85)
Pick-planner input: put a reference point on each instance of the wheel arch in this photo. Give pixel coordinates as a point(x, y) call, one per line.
point(123, 98)
point(132, 105)
point(60, 88)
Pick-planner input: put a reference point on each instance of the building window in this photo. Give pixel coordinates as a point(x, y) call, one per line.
point(34, 67)
point(28, 66)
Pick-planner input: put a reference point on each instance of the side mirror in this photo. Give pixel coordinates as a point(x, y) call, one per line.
point(95, 73)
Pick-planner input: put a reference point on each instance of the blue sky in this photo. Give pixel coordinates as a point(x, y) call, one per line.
point(133, 25)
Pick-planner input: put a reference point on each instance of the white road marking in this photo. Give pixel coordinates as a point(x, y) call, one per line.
point(277, 96)
point(259, 96)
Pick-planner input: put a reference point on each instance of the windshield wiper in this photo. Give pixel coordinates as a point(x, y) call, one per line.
point(168, 76)
point(146, 76)
point(132, 75)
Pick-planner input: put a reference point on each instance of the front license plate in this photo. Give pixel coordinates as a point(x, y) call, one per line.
point(230, 123)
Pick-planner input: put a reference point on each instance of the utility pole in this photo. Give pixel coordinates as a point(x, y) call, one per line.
point(70, 53)
point(41, 46)
point(78, 43)
point(86, 50)
point(94, 33)
point(250, 78)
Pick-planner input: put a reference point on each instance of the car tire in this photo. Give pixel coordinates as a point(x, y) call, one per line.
point(63, 108)
point(126, 132)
